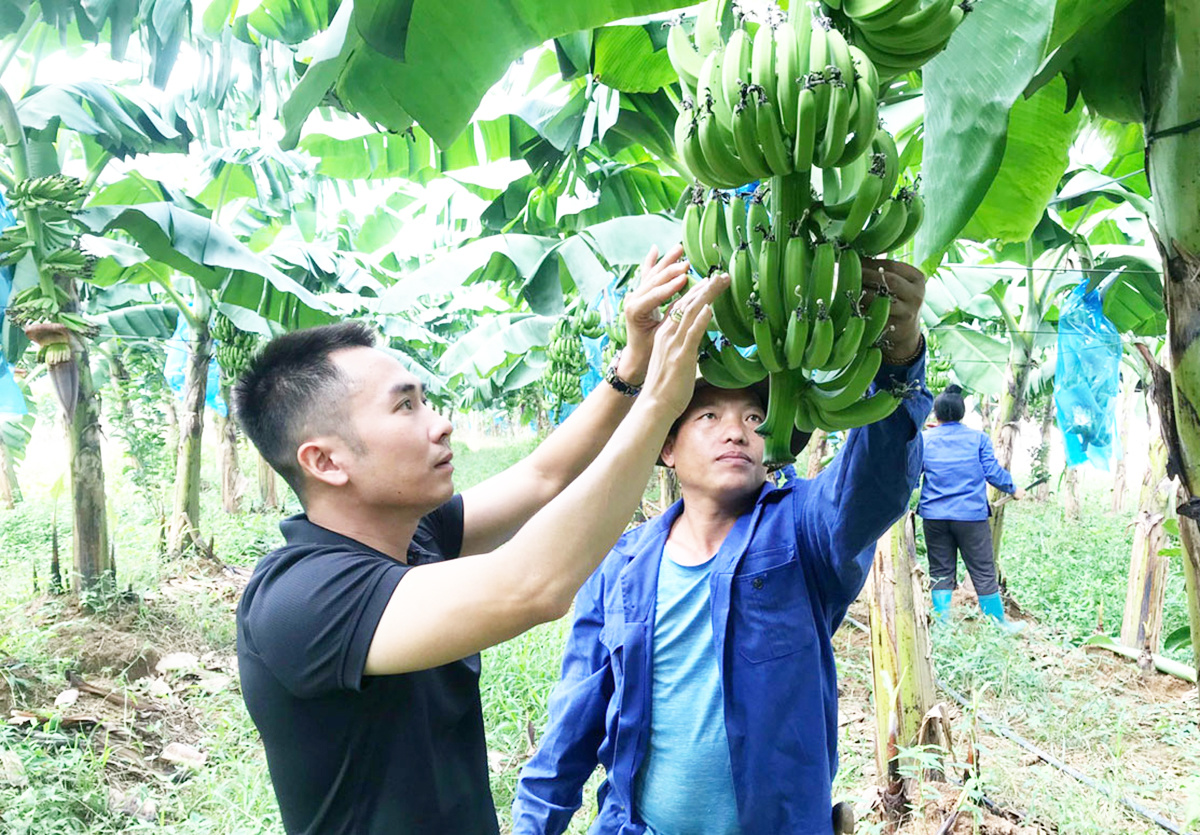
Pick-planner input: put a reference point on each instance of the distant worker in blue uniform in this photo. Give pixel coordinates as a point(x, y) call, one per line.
point(958, 465)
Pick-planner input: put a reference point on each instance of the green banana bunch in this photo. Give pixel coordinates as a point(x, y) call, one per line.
point(794, 103)
point(900, 36)
point(69, 262)
point(567, 360)
point(234, 347)
point(57, 191)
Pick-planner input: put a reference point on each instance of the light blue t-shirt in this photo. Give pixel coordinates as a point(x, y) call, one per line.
point(685, 784)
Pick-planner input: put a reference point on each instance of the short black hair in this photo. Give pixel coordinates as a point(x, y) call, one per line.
point(948, 407)
point(291, 390)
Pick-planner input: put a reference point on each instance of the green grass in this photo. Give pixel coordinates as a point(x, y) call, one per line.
point(1072, 575)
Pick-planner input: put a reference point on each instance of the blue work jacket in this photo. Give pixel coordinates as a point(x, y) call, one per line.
point(781, 583)
point(959, 464)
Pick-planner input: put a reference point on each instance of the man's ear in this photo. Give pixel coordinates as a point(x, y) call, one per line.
point(668, 451)
point(321, 460)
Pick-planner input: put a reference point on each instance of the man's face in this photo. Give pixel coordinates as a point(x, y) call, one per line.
point(716, 450)
point(397, 448)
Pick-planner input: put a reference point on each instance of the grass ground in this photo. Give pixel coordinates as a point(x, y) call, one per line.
point(95, 766)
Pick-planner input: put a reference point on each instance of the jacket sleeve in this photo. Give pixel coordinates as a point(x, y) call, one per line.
point(996, 475)
point(550, 788)
point(843, 511)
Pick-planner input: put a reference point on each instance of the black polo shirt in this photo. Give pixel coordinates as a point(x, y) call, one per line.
point(348, 753)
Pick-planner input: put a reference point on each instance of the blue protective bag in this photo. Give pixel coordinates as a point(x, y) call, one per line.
point(175, 369)
point(1086, 379)
point(12, 401)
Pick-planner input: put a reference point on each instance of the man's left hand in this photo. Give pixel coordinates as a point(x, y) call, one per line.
point(659, 280)
point(906, 284)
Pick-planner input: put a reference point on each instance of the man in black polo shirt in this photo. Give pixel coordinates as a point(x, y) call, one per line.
point(365, 689)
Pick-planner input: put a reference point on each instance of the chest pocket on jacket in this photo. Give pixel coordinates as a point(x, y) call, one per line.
point(771, 613)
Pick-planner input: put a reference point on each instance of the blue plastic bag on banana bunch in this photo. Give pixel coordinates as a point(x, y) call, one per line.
point(12, 400)
point(1086, 379)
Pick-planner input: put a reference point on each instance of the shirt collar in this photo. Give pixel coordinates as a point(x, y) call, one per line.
point(653, 534)
point(300, 530)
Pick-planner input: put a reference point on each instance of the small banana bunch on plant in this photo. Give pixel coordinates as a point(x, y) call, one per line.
point(234, 349)
point(565, 352)
point(795, 104)
point(56, 191)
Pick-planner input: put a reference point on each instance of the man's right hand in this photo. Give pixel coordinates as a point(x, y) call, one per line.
point(671, 376)
point(1019, 494)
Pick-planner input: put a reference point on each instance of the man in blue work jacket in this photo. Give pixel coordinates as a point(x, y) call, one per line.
point(699, 670)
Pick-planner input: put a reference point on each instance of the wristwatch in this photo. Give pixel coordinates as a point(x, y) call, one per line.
point(623, 386)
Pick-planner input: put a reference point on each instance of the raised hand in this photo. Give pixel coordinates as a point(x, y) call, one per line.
point(659, 279)
point(671, 375)
point(906, 285)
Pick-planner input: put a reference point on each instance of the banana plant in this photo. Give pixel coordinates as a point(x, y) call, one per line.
point(49, 266)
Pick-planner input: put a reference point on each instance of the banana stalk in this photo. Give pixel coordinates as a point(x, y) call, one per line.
point(901, 665)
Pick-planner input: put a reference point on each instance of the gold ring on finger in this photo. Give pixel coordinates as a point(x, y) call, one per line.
point(677, 314)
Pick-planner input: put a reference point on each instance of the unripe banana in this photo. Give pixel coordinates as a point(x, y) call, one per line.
point(684, 58)
point(708, 27)
point(863, 413)
point(735, 219)
point(864, 122)
point(762, 61)
point(864, 368)
point(849, 288)
point(692, 247)
point(884, 143)
point(777, 427)
point(864, 203)
point(712, 370)
point(805, 129)
point(884, 230)
point(788, 72)
point(858, 378)
point(735, 66)
point(758, 224)
point(718, 152)
point(916, 213)
point(710, 239)
point(824, 261)
point(748, 369)
point(846, 344)
point(745, 139)
point(768, 353)
point(818, 59)
point(741, 281)
point(820, 341)
point(878, 13)
point(770, 139)
point(877, 317)
point(771, 283)
point(796, 339)
point(688, 145)
point(729, 320)
point(918, 32)
point(797, 266)
point(837, 124)
point(804, 420)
